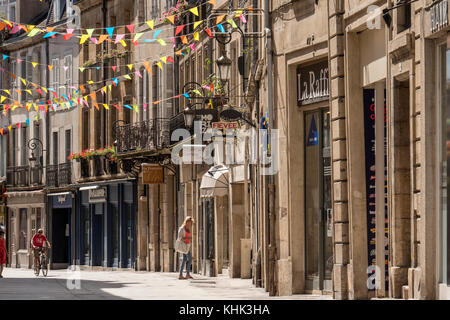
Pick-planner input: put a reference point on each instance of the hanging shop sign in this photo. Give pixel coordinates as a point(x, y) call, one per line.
point(152, 174)
point(97, 195)
point(207, 117)
point(225, 125)
point(439, 16)
point(312, 83)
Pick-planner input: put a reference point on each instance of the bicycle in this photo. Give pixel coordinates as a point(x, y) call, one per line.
point(42, 263)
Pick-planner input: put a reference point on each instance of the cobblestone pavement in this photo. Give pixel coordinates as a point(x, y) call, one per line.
point(23, 284)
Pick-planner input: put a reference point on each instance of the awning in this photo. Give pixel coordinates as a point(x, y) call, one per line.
point(215, 182)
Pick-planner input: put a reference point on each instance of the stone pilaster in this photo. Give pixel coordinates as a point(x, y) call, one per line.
point(339, 156)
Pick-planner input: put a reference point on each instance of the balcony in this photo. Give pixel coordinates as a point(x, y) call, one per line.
point(52, 175)
point(59, 175)
point(150, 135)
point(24, 176)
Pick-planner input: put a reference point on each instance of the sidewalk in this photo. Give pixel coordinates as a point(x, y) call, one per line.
point(23, 284)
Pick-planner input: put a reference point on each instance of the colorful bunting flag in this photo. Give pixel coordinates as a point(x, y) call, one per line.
point(151, 24)
point(194, 11)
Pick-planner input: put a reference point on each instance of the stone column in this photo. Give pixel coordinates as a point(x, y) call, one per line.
point(167, 199)
point(154, 227)
point(339, 156)
point(237, 228)
point(218, 234)
point(142, 228)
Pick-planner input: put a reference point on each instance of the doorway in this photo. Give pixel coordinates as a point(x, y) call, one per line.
point(318, 206)
point(97, 234)
point(206, 235)
point(61, 238)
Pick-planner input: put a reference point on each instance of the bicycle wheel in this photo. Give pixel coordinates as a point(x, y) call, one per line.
point(36, 269)
point(44, 266)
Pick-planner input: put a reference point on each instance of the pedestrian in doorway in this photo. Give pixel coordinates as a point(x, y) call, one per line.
point(185, 235)
point(3, 252)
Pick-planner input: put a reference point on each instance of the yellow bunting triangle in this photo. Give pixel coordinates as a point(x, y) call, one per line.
point(196, 36)
point(164, 59)
point(110, 87)
point(29, 91)
point(171, 19)
point(161, 42)
point(2, 99)
point(137, 36)
point(194, 11)
point(127, 77)
point(90, 82)
point(34, 64)
point(23, 81)
point(83, 39)
point(130, 66)
point(45, 89)
point(105, 106)
point(9, 127)
point(151, 24)
point(7, 91)
point(82, 69)
point(197, 23)
point(159, 65)
point(123, 43)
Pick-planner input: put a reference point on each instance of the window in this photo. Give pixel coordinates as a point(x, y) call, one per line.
point(67, 74)
point(155, 91)
point(13, 147)
point(155, 9)
point(55, 148)
point(86, 121)
point(56, 9)
point(14, 81)
point(37, 134)
point(2, 156)
point(68, 144)
point(24, 147)
point(12, 12)
point(23, 229)
point(55, 75)
point(444, 159)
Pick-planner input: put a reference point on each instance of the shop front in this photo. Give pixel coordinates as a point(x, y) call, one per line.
point(437, 101)
point(312, 215)
point(25, 215)
point(106, 225)
point(60, 235)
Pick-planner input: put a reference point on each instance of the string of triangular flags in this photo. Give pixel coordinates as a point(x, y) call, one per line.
point(50, 32)
point(184, 39)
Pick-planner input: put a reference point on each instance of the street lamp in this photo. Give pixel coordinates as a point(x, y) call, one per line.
point(33, 145)
point(189, 116)
point(224, 66)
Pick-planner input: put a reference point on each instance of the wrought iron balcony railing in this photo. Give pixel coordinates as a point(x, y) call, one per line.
point(52, 175)
point(147, 135)
point(24, 176)
point(65, 174)
point(59, 175)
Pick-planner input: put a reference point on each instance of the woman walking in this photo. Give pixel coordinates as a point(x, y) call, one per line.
point(184, 234)
point(3, 252)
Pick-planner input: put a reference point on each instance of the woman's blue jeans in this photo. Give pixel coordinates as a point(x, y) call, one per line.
point(187, 259)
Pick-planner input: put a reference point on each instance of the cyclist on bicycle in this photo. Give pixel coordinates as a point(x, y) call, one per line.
point(37, 243)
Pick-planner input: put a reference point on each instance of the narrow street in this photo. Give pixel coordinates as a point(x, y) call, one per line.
point(22, 284)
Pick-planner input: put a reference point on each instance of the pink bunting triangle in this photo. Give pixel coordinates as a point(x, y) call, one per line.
point(114, 68)
point(138, 73)
point(118, 38)
point(19, 61)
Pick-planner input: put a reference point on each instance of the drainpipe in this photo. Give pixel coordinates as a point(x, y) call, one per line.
point(47, 138)
point(270, 214)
